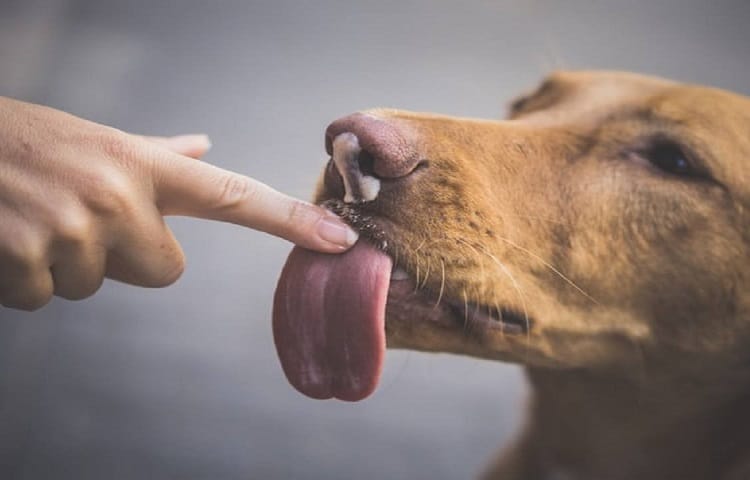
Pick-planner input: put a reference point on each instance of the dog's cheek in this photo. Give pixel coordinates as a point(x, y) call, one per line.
point(669, 259)
point(693, 293)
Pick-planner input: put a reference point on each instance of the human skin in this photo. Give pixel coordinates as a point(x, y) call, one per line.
point(81, 201)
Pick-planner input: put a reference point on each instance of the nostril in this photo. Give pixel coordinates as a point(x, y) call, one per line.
point(367, 164)
point(355, 168)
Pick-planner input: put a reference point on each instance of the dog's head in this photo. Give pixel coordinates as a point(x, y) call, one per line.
point(607, 216)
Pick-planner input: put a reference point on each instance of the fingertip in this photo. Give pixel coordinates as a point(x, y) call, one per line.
point(191, 145)
point(194, 146)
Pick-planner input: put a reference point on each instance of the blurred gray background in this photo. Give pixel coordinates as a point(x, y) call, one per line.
point(183, 383)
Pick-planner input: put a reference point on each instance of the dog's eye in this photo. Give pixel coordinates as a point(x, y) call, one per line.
point(668, 157)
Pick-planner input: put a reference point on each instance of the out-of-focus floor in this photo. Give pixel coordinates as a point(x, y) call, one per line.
point(183, 383)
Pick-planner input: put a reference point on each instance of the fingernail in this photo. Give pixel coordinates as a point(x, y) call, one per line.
point(333, 230)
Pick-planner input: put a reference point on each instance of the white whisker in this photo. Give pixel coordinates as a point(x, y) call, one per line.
point(551, 267)
point(481, 263)
point(426, 274)
point(420, 245)
point(442, 283)
point(517, 288)
point(416, 274)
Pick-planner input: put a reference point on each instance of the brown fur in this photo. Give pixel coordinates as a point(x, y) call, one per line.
point(634, 281)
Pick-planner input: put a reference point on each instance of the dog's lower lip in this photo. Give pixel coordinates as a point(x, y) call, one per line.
point(467, 316)
point(507, 320)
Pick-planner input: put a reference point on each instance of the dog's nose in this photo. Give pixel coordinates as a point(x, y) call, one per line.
point(366, 149)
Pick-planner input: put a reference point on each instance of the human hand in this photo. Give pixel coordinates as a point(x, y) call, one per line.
point(80, 201)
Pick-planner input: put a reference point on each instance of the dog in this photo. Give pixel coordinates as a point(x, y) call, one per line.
point(599, 236)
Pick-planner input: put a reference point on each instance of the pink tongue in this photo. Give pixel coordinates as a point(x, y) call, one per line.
point(329, 321)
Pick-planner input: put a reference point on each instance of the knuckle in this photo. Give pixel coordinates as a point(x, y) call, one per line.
point(81, 290)
point(118, 145)
point(166, 268)
point(36, 302)
point(28, 299)
point(296, 214)
point(24, 254)
point(93, 287)
point(234, 190)
point(110, 193)
point(73, 226)
point(173, 271)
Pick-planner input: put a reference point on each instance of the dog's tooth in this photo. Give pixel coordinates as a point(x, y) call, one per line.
point(399, 273)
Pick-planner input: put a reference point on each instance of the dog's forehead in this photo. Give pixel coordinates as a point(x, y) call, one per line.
point(588, 96)
point(609, 92)
point(611, 85)
point(716, 121)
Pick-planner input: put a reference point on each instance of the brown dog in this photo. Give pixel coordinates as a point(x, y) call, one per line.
point(600, 236)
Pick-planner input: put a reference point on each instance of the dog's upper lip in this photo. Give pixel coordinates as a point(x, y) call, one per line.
point(507, 319)
point(364, 223)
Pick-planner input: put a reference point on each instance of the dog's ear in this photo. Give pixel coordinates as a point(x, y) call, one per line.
point(545, 94)
point(515, 106)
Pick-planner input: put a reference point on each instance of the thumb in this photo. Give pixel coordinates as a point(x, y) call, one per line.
point(193, 146)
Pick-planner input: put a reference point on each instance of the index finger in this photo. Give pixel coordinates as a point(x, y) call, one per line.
point(196, 189)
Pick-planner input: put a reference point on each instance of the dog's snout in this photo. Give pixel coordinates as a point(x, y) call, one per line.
point(366, 149)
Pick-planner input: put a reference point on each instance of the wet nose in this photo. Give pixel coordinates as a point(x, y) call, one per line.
point(365, 150)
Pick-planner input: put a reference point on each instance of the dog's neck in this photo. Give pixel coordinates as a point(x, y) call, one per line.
point(675, 421)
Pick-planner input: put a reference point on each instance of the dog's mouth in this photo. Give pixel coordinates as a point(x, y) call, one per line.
point(330, 311)
point(467, 314)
